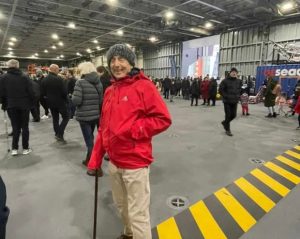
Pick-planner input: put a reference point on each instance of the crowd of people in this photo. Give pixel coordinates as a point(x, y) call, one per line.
point(127, 118)
point(127, 110)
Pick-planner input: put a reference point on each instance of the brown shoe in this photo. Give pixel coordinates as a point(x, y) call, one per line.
point(125, 237)
point(92, 172)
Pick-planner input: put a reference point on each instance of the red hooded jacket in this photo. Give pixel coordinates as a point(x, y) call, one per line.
point(132, 113)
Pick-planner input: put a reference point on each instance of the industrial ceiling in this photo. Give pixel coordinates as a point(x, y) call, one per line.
point(66, 29)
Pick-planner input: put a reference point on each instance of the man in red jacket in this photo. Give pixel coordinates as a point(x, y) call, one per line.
point(132, 113)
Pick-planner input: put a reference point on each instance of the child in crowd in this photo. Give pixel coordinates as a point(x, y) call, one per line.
point(281, 103)
point(244, 102)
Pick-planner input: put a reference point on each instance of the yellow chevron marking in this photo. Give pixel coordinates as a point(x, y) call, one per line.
point(284, 173)
point(256, 195)
point(205, 221)
point(270, 182)
point(235, 209)
point(288, 162)
point(168, 230)
point(293, 154)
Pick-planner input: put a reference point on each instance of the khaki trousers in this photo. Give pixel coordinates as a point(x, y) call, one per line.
point(131, 194)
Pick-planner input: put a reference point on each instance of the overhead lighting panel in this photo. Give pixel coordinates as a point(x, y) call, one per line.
point(120, 32)
point(11, 43)
point(95, 41)
point(60, 43)
point(46, 51)
point(10, 49)
point(287, 7)
point(53, 47)
point(54, 36)
point(98, 48)
point(62, 56)
point(169, 14)
point(13, 39)
point(36, 54)
point(78, 54)
point(71, 25)
point(153, 39)
point(208, 25)
point(88, 50)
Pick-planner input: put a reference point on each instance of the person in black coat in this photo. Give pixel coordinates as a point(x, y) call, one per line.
point(17, 89)
point(54, 90)
point(195, 91)
point(104, 77)
point(71, 81)
point(212, 90)
point(167, 87)
point(230, 90)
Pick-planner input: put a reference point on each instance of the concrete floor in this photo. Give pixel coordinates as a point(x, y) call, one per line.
point(50, 196)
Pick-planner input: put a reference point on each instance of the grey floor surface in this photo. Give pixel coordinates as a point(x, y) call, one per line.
point(51, 197)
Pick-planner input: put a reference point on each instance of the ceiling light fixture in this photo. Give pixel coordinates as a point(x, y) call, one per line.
point(11, 43)
point(120, 32)
point(78, 54)
point(55, 36)
point(60, 43)
point(98, 47)
point(169, 14)
point(46, 51)
point(88, 50)
point(95, 41)
point(72, 25)
point(13, 39)
point(10, 53)
point(153, 39)
point(208, 25)
point(36, 54)
point(192, 29)
point(57, 57)
point(62, 56)
point(53, 47)
point(1, 15)
point(286, 7)
point(9, 48)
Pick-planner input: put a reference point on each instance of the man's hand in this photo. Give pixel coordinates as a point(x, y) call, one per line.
point(92, 172)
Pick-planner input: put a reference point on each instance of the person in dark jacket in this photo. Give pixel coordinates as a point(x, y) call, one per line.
point(230, 90)
point(17, 89)
point(213, 88)
point(55, 91)
point(35, 110)
point(195, 91)
point(270, 97)
point(87, 97)
point(172, 90)
point(104, 77)
point(167, 87)
point(71, 81)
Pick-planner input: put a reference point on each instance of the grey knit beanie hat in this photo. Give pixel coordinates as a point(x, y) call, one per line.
point(120, 50)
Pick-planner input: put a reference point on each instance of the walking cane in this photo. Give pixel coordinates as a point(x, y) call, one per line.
point(95, 205)
point(6, 131)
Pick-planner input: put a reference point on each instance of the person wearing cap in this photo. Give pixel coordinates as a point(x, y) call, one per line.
point(230, 90)
point(132, 113)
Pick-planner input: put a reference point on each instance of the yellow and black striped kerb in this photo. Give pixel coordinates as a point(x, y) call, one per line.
point(233, 210)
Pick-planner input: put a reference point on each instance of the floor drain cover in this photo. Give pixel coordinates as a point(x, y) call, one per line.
point(256, 161)
point(177, 202)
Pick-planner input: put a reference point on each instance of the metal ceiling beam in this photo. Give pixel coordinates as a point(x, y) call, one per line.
point(134, 23)
point(9, 21)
